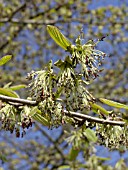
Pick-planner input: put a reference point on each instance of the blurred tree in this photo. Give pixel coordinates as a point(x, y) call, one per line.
point(23, 34)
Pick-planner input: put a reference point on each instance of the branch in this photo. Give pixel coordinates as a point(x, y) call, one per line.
point(94, 119)
point(68, 113)
point(51, 140)
point(49, 9)
point(17, 100)
point(27, 21)
point(17, 10)
point(53, 21)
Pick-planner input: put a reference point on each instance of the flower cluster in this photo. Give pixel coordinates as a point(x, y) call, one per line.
point(88, 57)
point(13, 120)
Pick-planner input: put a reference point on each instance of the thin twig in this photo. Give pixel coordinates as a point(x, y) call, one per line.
point(68, 113)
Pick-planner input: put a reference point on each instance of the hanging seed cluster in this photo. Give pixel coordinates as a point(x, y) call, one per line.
point(42, 84)
point(52, 111)
point(14, 120)
point(88, 57)
point(42, 89)
point(113, 137)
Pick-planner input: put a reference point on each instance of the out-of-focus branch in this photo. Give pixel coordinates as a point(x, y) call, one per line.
point(68, 113)
point(9, 20)
point(31, 21)
point(51, 140)
point(16, 11)
point(27, 21)
point(23, 23)
point(49, 9)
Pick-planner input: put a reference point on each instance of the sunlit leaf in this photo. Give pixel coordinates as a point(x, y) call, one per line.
point(64, 167)
point(18, 87)
point(8, 92)
point(59, 91)
point(40, 119)
point(34, 110)
point(58, 63)
point(90, 134)
point(5, 59)
point(58, 37)
point(103, 158)
point(97, 108)
point(68, 59)
point(114, 104)
point(7, 85)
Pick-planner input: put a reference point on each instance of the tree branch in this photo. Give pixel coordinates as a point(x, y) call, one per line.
point(51, 140)
point(51, 21)
point(17, 100)
point(68, 113)
point(94, 119)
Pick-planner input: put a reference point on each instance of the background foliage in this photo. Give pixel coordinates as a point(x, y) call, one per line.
point(23, 34)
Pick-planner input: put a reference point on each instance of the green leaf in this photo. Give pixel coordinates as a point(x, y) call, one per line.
point(5, 59)
point(7, 85)
point(113, 104)
point(68, 60)
point(59, 91)
point(59, 63)
point(39, 118)
point(90, 134)
point(97, 108)
point(34, 110)
point(8, 92)
point(103, 158)
point(17, 87)
point(73, 154)
point(64, 167)
point(3, 157)
point(58, 37)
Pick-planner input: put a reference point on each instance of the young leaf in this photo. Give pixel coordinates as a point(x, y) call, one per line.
point(90, 134)
point(59, 91)
point(58, 37)
point(17, 87)
point(40, 119)
point(96, 107)
point(59, 63)
point(73, 154)
point(114, 104)
point(68, 60)
point(8, 92)
point(5, 59)
point(34, 110)
point(7, 85)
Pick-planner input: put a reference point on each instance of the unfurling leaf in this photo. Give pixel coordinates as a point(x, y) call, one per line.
point(5, 59)
point(113, 104)
point(58, 37)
